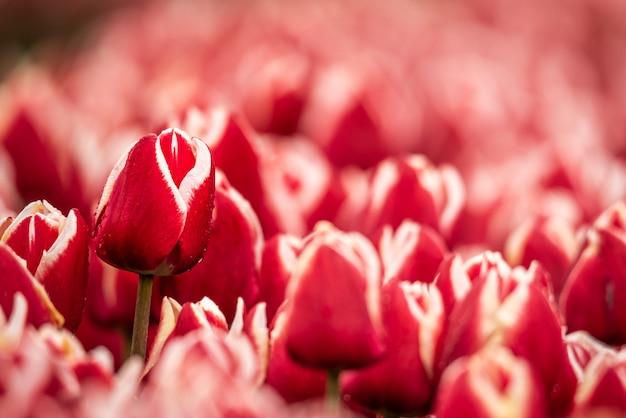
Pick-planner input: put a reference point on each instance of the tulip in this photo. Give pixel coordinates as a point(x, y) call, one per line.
point(412, 253)
point(550, 241)
point(413, 188)
point(510, 307)
point(602, 387)
point(594, 294)
point(154, 215)
point(403, 381)
point(54, 248)
point(490, 383)
point(333, 309)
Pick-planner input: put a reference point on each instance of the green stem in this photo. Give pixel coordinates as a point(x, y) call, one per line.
point(142, 316)
point(332, 388)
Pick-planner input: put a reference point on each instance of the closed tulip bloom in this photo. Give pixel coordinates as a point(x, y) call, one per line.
point(154, 215)
point(490, 383)
point(54, 248)
point(594, 295)
point(334, 316)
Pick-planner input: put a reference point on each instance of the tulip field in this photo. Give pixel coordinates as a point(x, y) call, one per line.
point(263, 208)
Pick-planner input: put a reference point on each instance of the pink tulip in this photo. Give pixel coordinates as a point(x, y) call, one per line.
point(154, 216)
point(333, 317)
point(54, 248)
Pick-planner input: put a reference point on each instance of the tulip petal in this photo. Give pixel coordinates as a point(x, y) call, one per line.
point(16, 278)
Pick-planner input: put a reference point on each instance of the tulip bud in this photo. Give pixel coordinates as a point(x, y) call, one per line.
point(594, 295)
point(54, 248)
point(491, 383)
point(334, 313)
point(550, 241)
point(510, 308)
point(413, 188)
point(403, 381)
point(412, 253)
point(154, 215)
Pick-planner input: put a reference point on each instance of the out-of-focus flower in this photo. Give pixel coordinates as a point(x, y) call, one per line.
point(403, 381)
point(229, 269)
point(333, 319)
point(55, 250)
point(600, 369)
point(513, 308)
point(411, 253)
point(550, 241)
point(154, 216)
point(493, 382)
point(593, 298)
point(47, 372)
point(403, 188)
point(277, 264)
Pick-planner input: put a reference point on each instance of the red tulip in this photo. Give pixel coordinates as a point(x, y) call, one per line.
point(403, 381)
point(551, 241)
point(602, 387)
point(594, 295)
point(412, 253)
point(333, 317)
point(511, 308)
point(490, 383)
point(54, 248)
point(154, 215)
point(413, 188)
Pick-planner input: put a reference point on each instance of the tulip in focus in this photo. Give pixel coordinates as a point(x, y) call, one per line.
point(54, 250)
point(154, 215)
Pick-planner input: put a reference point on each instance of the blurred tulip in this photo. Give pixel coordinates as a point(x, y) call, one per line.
point(602, 388)
point(54, 248)
point(167, 179)
point(412, 253)
point(550, 241)
point(277, 264)
point(333, 318)
point(413, 188)
point(511, 308)
point(403, 382)
point(594, 295)
point(492, 382)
